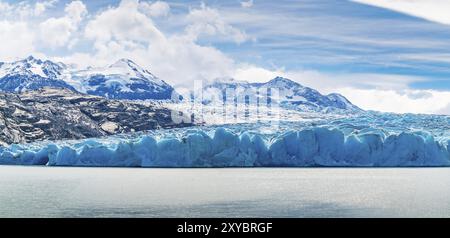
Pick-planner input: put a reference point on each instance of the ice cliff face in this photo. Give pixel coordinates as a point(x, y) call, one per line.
point(306, 148)
point(56, 114)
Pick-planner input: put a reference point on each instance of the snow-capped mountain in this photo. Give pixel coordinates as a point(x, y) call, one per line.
point(292, 95)
point(31, 74)
point(121, 80)
point(127, 80)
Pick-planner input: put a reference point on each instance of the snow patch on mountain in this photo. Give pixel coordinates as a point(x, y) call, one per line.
point(31, 74)
point(121, 80)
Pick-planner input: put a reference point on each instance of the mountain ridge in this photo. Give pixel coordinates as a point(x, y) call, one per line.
point(293, 95)
point(124, 79)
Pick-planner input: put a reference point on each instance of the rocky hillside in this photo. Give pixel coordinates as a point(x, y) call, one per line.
point(55, 114)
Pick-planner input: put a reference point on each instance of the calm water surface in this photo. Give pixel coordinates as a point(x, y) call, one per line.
point(258, 192)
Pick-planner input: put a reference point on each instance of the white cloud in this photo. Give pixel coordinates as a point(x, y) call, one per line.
point(41, 7)
point(25, 9)
point(398, 102)
point(123, 25)
point(16, 40)
point(247, 4)
point(445, 110)
point(57, 32)
point(79, 60)
point(76, 10)
point(21, 35)
point(182, 61)
point(253, 73)
point(432, 10)
point(206, 21)
point(156, 9)
point(5, 7)
point(126, 32)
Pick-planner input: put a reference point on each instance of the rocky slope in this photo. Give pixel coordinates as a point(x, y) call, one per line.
point(51, 113)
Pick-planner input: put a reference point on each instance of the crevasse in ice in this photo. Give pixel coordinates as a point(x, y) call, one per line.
point(316, 146)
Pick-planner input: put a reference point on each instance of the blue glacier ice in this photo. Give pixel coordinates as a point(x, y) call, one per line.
point(314, 146)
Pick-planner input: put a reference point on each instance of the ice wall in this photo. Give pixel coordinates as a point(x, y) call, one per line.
point(310, 147)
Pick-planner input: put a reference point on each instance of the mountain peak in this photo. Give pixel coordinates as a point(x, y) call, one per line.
point(335, 95)
point(338, 97)
point(125, 63)
point(282, 80)
point(293, 95)
point(125, 60)
point(32, 59)
point(229, 80)
point(123, 79)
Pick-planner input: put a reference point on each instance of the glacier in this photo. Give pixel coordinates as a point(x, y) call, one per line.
point(221, 147)
point(311, 129)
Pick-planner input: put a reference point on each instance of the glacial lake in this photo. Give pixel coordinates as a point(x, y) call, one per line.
point(253, 192)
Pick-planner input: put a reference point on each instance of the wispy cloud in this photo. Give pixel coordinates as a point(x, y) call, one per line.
point(247, 4)
point(432, 10)
point(206, 21)
point(24, 9)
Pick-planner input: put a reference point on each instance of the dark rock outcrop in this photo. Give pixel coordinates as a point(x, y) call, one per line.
point(55, 114)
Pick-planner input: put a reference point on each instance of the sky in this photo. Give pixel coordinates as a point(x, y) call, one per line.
point(386, 55)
